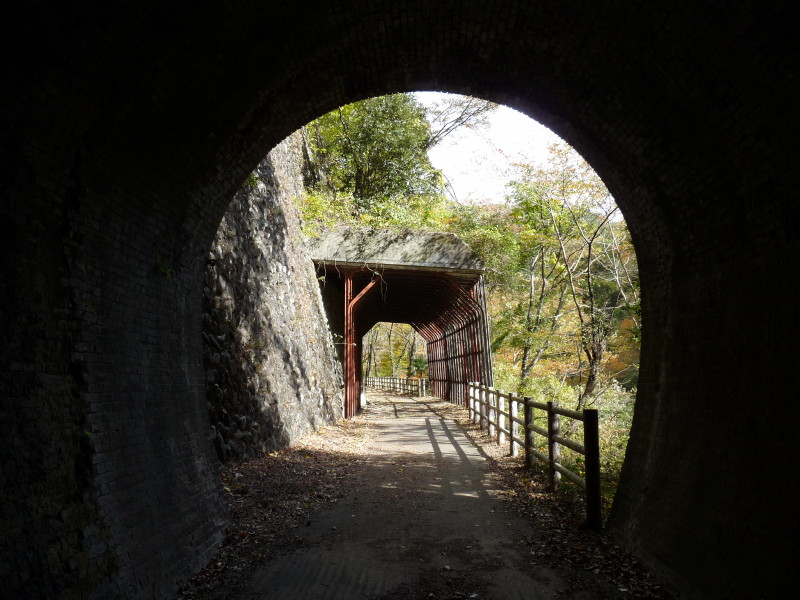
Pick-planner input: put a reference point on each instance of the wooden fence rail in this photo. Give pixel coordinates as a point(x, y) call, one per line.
point(412, 386)
point(499, 413)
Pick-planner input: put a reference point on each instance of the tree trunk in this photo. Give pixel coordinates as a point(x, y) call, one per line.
point(410, 369)
point(392, 360)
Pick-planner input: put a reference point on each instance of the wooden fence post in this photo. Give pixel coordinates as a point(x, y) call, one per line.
point(553, 449)
point(501, 419)
point(512, 412)
point(497, 414)
point(476, 402)
point(529, 440)
point(471, 400)
point(487, 410)
point(591, 443)
point(490, 402)
point(481, 407)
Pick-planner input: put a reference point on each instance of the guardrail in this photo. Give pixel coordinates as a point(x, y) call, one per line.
point(499, 412)
point(404, 385)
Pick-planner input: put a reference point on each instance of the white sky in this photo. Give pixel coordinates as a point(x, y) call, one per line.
point(477, 163)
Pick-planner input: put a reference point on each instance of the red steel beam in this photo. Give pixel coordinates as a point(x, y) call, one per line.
point(349, 346)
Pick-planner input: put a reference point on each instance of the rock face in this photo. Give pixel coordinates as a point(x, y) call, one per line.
point(271, 370)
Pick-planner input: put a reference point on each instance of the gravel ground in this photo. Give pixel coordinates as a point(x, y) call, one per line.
point(271, 499)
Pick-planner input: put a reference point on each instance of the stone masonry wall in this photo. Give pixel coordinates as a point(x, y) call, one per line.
point(270, 367)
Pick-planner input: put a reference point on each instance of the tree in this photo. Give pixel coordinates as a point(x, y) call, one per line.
point(375, 152)
point(393, 349)
point(597, 271)
point(453, 112)
point(370, 161)
point(541, 286)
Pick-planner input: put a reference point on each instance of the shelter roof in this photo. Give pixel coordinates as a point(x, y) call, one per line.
point(403, 250)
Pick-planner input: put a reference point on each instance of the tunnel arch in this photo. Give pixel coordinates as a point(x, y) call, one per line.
point(126, 132)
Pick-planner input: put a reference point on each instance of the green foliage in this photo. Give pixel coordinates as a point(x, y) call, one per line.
point(394, 350)
point(375, 151)
point(551, 389)
point(319, 211)
point(505, 373)
point(416, 212)
point(572, 289)
point(491, 235)
point(563, 290)
point(615, 409)
point(615, 405)
point(419, 366)
point(252, 180)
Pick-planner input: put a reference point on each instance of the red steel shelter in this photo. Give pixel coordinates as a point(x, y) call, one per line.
point(431, 281)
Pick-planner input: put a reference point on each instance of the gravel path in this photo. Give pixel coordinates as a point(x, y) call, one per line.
point(407, 500)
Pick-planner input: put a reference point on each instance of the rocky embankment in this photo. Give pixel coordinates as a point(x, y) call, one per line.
point(271, 370)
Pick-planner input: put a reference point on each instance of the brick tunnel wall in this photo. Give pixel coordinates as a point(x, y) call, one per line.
point(125, 133)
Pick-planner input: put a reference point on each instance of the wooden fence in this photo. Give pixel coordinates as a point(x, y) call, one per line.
point(403, 385)
point(499, 412)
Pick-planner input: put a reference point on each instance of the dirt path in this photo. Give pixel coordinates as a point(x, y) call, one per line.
point(423, 520)
point(407, 500)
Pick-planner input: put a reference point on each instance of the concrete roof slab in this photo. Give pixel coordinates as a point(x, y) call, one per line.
point(389, 248)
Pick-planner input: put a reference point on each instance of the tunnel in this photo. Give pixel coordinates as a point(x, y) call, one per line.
point(126, 129)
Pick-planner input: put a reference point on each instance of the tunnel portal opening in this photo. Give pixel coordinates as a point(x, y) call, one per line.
point(128, 132)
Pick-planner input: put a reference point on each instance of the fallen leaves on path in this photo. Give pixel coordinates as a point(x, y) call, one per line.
point(270, 499)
